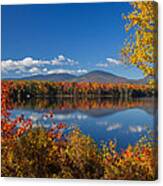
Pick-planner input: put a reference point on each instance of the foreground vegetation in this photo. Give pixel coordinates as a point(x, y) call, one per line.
point(141, 46)
point(64, 152)
point(39, 154)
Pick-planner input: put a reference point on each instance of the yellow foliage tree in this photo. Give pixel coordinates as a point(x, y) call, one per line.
point(140, 48)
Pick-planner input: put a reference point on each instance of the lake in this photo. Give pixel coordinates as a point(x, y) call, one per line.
point(124, 120)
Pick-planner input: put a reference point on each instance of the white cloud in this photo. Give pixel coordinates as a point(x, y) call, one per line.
point(108, 62)
point(8, 65)
point(71, 62)
point(136, 129)
point(62, 60)
point(45, 70)
point(35, 117)
point(67, 71)
point(113, 61)
point(35, 70)
point(109, 126)
point(114, 127)
point(82, 71)
point(29, 66)
point(60, 71)
point(56, 62)
point(70, 116)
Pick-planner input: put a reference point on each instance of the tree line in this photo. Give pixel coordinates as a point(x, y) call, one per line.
point(29, 89)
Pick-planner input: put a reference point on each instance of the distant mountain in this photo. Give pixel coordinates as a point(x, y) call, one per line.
point(94, 76)
point(140, 81)
point(100, 77)
point(106, 77)
point(51, 77)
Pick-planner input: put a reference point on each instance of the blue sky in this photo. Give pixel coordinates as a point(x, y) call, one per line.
point(73, 38)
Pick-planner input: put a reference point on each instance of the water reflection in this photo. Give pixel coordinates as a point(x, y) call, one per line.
point(103, 119)
point(101, 104)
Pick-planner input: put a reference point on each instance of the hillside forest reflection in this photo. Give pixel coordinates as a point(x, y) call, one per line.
point(123, 120)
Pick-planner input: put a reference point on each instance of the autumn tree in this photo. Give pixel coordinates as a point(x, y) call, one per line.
point(140, 48)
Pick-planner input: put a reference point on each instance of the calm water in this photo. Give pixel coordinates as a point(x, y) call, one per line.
point(103, 119)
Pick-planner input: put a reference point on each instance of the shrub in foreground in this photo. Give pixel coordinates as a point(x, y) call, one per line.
point(37, 154)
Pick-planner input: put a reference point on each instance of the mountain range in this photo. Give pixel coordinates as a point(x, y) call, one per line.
point(93, 76)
